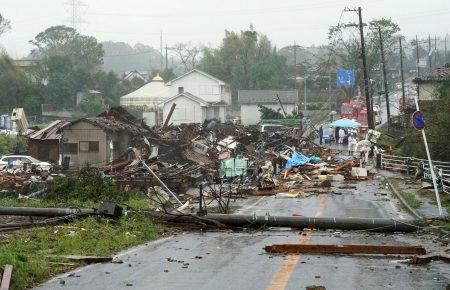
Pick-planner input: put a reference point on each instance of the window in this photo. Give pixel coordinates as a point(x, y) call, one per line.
point(70, 148)
point(180, 90)
point(88, 146)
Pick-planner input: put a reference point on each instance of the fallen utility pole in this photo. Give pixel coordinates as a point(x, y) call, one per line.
point(233, 220)
point(104, 208)
point(45, 212)
point(160, 182)
point(344, 249)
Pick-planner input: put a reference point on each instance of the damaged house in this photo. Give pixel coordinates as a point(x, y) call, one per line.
point(197, 96)
point(99, 140)
point(44, 144)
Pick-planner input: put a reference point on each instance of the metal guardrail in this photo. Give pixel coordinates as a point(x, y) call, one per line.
point(408, 165)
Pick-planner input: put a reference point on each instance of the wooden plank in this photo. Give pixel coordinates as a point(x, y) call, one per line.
point(431, 257)
point(6, 280)
point(344, 249)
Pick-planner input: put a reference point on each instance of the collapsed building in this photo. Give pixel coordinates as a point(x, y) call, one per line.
point(99, 140)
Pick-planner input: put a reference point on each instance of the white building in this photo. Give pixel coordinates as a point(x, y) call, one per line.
point(148, 96)
point(197, 96)
point(250, 99)
point(148, 99)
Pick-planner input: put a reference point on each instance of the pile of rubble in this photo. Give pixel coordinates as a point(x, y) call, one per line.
point(180, 157)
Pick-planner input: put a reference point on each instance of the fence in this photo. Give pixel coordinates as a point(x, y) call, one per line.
point(409, 165)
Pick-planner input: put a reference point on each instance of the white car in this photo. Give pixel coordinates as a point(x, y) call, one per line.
point(17, 161)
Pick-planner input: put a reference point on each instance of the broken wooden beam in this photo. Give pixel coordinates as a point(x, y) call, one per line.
point(344, 249)
point(430, 257)
point(6, 278)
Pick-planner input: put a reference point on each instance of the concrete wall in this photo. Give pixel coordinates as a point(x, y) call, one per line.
point(250, 114)
point(200, 86)
point(186, 111)
point(427, 91)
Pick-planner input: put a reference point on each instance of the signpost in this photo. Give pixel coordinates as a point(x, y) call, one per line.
point(417, 120)
point(419, 124)
point(345, 78)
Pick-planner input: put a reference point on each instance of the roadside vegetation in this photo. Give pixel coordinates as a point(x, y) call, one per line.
point(10, 145)
point(445, 203)
point(37, 254)
point(409, 197)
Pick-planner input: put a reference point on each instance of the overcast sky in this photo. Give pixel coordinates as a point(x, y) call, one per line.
point(204, 21)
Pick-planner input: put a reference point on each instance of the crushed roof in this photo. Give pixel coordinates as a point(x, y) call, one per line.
point(51, 132)
point(438, 75)
point(117, 119)
point(267, 96)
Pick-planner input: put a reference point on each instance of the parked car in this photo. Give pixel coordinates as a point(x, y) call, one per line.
point(17, 161)
point(270, 128)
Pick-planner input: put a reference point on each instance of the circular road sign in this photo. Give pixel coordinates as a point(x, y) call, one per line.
point(417, 120)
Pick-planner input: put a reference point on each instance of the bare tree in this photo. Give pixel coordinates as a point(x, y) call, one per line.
point(188, 54)
point(5, 25)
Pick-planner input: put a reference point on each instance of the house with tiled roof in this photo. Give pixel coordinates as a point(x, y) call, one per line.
point(429, 83)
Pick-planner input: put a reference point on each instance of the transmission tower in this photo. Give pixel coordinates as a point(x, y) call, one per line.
point(75, 10)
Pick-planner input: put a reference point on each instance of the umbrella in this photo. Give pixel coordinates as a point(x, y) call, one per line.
point(345, 123)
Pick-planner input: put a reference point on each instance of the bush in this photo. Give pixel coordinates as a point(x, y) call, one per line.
point(11, 145)
point(88, 186)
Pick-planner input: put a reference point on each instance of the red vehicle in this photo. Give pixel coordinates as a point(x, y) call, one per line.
point(355, 110)
point(348, 111)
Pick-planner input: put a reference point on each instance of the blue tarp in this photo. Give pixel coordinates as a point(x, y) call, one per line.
point(299, 159)
point(345, 123)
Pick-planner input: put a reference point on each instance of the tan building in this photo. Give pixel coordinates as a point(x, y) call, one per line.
point(99, 140)
point(429, 83)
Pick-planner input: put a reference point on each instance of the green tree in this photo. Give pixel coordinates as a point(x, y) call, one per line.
point(16, 90)
point(67, 63)
point(345, 48)
point(246, 60)
point(5, 25)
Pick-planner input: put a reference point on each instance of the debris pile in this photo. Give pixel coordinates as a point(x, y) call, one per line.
point(230, 160)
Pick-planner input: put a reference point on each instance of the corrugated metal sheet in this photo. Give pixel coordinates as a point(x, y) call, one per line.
point(51, 132)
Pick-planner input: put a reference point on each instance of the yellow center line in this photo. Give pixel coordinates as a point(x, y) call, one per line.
point(281, 278)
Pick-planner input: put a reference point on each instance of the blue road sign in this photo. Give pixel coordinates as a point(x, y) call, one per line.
point(345, 78)
point(417, 120)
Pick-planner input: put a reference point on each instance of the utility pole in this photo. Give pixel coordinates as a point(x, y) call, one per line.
point(429, 52)
point(305, 94)
point(435, 53)
point(445, 50)
point(295, 55)
point(161, 49)
point(370, 122)
point(386, 93)
point(401, 70)
point(167, 61)
point(417, 63)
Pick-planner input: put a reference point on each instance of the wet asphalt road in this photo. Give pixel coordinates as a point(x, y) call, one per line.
point(236, 260)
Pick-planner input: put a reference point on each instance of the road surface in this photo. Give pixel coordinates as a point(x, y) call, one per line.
point(236, 260)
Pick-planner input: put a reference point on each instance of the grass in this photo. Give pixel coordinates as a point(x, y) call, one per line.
point(30, 251)
point(445, 203)
point(409, 197)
